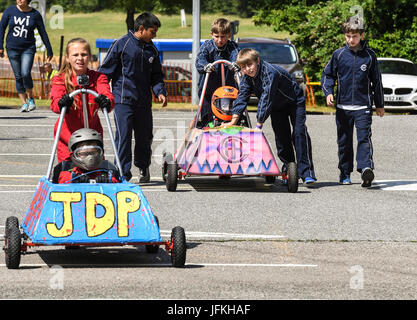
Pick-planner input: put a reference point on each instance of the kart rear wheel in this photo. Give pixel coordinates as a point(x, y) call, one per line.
point(292, 177)
point(13, 247)
point(179, 247)
point(153, 248)
point(172, 176)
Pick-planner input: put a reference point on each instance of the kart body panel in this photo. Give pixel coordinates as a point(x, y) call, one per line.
point(226, 151)
point(85, 213)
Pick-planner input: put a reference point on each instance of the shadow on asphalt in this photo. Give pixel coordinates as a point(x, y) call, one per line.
point(237, 184)
point(107, 257)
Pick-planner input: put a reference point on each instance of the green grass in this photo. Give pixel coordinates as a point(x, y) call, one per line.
point(111, 25)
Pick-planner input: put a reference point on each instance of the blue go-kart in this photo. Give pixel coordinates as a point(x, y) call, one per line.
point(88, 214)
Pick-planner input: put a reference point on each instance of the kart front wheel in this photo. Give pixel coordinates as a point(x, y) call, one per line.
point(10, 222)
point(13, 247)
point(179, 247)
point(292, 177)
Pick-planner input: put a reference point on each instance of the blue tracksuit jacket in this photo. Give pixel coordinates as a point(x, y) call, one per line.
point(134, 67)
point(208, 54)
point(274, 87)
point(358, 77)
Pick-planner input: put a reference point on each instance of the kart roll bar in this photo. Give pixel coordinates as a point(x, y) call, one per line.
point(84, 92)
point(203, 92)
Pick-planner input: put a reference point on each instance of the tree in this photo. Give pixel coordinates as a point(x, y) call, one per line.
point(390, 29)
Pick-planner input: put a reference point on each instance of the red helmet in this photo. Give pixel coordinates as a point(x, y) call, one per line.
point(222, 102)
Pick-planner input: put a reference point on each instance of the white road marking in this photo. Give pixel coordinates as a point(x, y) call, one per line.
point(395, 185)
point(385, 185)
point(201, 235)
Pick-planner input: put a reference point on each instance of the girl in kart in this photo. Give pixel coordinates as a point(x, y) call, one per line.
point(87, 162)
point(75, 75)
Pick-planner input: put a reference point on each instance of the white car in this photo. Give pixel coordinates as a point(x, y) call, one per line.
point(399, 79)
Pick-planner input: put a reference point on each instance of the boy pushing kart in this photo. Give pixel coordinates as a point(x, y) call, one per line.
point(281, 98)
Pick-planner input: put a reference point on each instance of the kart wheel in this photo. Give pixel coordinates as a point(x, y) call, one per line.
point(166, 158)
point(172, 176)
point(164, 171)
point(153, 248)
point(270, 179)
point(179, 247)
point(13, 247)
point(10, 222)
point(292, 177)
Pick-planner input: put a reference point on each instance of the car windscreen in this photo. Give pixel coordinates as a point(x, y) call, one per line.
point(397, 67)
point(273, 52)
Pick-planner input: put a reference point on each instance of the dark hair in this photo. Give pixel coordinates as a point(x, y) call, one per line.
point(147, 20)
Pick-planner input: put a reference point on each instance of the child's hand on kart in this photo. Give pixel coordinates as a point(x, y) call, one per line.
point(233, 122)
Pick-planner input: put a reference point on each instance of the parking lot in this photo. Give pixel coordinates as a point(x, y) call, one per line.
point(246, 239)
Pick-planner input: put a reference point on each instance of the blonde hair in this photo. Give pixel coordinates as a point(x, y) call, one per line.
point(67, 68)
point(221, 25)
point(247, 56)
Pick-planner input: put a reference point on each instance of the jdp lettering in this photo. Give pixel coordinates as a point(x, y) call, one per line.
point(100, 213)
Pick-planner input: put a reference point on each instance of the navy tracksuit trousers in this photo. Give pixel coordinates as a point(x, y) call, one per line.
point(137, 119)
point(345, 121)
point(282, 120)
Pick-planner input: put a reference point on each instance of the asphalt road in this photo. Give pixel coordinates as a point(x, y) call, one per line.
point(246, 239)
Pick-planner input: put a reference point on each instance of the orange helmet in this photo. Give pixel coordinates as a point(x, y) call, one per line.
point(222, 102)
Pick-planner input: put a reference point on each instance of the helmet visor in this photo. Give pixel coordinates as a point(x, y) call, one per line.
point(224, 105)
point(88, 157)
point(83, 152)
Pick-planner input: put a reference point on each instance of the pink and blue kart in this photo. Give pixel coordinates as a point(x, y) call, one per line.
point(225, 152)
point(88, 214)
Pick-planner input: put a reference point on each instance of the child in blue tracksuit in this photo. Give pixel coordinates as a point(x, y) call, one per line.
point(281, 98)
point(218, 48)
point(133, 65)
point(359, 86)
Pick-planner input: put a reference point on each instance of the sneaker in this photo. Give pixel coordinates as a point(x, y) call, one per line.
point(24, 108)
point(145, 176)
point(367, 177)
point(32, 105)
point(345, 179)
point(309, 180)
